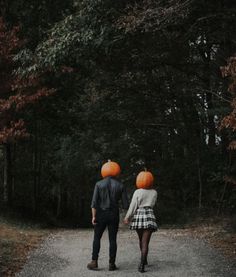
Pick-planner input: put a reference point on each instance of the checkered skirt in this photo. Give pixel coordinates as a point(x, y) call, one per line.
point(144, 218)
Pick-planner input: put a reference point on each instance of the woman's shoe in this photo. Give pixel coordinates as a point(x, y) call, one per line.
point(141, 267)
point(145, 261)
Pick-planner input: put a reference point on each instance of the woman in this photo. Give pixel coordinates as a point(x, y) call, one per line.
point(143, 219)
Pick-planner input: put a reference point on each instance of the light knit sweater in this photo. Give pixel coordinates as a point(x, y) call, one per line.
point(141, 198)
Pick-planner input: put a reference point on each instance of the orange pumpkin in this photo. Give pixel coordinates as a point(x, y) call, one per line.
point(110, 169)
point(144, 180)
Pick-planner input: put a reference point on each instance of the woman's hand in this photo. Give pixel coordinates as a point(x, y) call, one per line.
point(126, 221)
point(94, 221)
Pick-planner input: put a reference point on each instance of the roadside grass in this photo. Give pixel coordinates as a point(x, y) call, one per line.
point(218, 232)
point(19, 236)
point(16, 240)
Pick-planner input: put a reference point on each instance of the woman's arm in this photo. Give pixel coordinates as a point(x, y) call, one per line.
point(155, 198)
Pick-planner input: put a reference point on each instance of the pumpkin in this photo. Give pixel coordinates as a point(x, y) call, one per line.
point(144, 180)
point(110, 169)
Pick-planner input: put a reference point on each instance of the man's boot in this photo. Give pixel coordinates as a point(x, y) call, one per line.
point(93, 265)
point(112, 265)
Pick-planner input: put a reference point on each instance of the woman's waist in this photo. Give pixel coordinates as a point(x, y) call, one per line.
point(145, 207)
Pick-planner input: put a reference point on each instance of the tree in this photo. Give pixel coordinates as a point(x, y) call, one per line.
point(229, 122)
point(17, 93)
point(137, 82)
point(145, 78)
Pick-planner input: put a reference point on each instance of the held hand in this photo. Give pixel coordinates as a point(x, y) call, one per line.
point(94, 221)
point(126, 221)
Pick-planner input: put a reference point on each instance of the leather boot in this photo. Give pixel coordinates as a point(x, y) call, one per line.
point(141, 267)
point(145, 261)
point(112, 265)
point(93, 265)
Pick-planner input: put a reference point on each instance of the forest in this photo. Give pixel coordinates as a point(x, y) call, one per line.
point(145, 83)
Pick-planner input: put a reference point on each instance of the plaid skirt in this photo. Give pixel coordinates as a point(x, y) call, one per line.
point(144, 218)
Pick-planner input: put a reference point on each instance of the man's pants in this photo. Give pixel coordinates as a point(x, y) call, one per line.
point(109, 219)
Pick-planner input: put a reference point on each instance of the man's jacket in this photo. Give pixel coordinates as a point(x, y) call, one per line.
point(107, 194)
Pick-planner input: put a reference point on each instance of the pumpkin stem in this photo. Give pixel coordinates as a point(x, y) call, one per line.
point(145, 169)
point(109, 160)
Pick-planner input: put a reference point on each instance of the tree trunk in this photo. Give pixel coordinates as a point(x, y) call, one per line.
point(4, 6)
point(200, 187)
point(59, 200)
point(13, 171)
point(221, 199)
point(35, 169)
point(211, 123)
point(65, 202)
point(40, 156)
point(7, 183)
point(206, 56)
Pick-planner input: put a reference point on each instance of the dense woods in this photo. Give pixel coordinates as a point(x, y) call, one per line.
point(138, 82)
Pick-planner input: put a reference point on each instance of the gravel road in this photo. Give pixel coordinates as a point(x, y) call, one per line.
point(67, 253)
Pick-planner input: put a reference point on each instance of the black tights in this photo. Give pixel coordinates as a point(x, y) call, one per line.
point(144, 239)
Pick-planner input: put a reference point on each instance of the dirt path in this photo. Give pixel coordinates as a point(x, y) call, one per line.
point(67, 254)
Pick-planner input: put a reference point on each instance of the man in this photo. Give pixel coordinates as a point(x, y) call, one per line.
point(105, 213)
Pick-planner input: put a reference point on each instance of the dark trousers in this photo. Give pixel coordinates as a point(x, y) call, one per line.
point(109, 219)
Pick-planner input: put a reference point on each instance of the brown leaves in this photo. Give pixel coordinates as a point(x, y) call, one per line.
point(232, 145)
point(229, 121)
point(229, 70)
point(230, 179)
point(9, 41)
point(17, 93)
point(67, 69)
point(15, 244)
point(20, 101)
point(14, 132)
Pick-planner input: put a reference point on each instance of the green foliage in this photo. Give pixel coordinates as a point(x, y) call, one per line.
point(136, 82)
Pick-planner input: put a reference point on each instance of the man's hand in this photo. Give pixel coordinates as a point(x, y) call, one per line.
point(94, 212)
point(126, 221)
point(94, 221)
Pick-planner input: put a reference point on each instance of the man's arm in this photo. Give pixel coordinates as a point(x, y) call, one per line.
point(125, 202)
point(94, 211)
point(94, 204)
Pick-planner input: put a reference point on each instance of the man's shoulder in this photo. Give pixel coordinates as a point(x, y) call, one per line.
point(113, 181)
point(117, 182)
point(100, 182)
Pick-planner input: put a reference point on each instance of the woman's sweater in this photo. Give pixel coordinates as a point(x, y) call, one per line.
point(141, 198)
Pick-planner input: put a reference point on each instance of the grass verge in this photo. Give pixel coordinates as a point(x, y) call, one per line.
point(16, 241)
point(217, 232)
